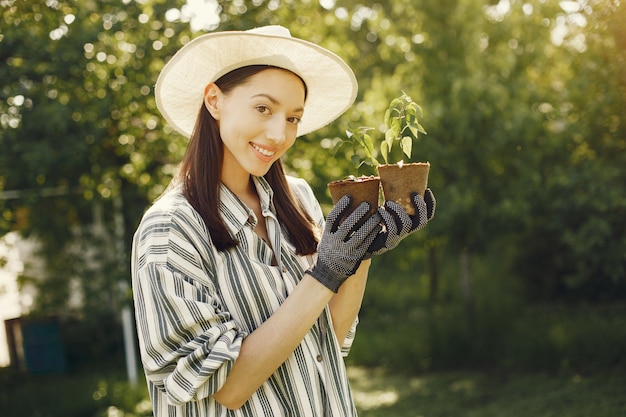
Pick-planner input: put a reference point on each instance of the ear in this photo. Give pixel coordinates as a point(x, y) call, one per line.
point(213, 99)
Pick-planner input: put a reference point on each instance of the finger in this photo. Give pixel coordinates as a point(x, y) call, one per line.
point(390, 221)
point(402, 218)
point(370, 230)
point(377, 243)
point(354, 219)
point(431, 203)
point(361, 237)
point(419, 219)
point(373, 223)
point(338, 211)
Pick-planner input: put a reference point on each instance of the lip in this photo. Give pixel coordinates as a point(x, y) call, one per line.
point(262, 152)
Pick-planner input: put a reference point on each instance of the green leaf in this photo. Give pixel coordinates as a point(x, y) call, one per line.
point(419, 112)
point(384, 150)
point(395, 128)
point(406, 144)
point(369, 144)
point(356, 160)
point(395, 108)
point(390, 136)
point(411, 109)
point(339, 147)
point(395, 104)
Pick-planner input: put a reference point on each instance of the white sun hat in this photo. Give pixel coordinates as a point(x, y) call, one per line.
point(331, 84)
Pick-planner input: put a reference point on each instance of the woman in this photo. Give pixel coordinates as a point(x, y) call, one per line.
point(245, 296)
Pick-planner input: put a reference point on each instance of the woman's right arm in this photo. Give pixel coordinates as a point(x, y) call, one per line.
point(265, 349)
point(191, 349)
point(188, 341)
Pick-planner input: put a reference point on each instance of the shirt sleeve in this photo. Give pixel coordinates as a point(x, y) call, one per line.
point(188, 342)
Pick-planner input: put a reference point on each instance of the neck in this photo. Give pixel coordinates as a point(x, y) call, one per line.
point(240, 186)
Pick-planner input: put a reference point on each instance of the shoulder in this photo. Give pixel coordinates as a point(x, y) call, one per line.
point(172, 205)
point(304, 193)
point(172, 233)
point(301, 189)
point(170, 213)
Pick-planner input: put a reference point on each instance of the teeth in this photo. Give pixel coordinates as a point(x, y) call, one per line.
point(263, 151)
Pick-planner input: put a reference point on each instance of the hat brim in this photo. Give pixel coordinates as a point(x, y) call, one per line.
point(331, 84)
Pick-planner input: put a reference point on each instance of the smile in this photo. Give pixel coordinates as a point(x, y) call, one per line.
point(263, 151)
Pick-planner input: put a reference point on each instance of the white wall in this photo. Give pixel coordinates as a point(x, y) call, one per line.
point(16, 255)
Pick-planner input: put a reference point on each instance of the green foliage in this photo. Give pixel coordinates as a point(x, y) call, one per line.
point(361, 141)
point(402, 126)
point(526, 100)
point(402, 122)
point(498, 331)
point(81, 144)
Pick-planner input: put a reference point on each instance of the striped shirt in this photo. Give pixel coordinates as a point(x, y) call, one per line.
point(194, 306)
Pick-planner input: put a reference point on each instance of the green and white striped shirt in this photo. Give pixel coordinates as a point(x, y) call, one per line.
point(194, 306)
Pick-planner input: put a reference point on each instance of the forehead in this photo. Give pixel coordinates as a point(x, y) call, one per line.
point(277, 81)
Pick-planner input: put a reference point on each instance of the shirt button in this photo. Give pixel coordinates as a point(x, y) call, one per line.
point(284, 269)
point(319, 358)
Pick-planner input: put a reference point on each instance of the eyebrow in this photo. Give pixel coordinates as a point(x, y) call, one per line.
point(275, 101)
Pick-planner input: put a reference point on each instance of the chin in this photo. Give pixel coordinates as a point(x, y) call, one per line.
point(259, 172)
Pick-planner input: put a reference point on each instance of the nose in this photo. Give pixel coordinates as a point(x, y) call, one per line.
point(277, 129)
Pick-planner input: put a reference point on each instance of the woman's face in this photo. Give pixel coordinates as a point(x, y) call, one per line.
point(258, 120)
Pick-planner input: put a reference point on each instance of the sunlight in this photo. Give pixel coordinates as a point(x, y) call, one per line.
point(570, 6)
point(366, 395)
point(497, 12)
point(375, 399)
point(201, 14)
point(328, 4)
point(564, 32)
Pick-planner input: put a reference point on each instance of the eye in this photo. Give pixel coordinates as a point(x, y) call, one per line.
point(263, 109)
point(294, 120)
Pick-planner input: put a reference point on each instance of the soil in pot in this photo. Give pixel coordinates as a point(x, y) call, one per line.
point(400, 180)
point(364, 188)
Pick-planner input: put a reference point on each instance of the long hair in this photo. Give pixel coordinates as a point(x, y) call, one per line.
point(200, 170)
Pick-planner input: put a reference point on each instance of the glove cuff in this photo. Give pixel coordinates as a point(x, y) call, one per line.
point(325, 276)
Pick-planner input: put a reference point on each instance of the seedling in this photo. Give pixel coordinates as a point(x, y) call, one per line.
point(402, 125)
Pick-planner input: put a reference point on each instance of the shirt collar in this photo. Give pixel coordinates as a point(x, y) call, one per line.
point(236, 214)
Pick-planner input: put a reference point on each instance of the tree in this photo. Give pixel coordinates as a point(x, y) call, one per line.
point(79, 135)
point(523, 106)
point(574, 248)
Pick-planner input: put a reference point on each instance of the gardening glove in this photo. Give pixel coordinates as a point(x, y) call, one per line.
point(343, 244)
point(397, 224)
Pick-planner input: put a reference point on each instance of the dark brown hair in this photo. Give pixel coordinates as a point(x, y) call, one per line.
point(200, 175)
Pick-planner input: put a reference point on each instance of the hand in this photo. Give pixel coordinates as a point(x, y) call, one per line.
point(397, 224)
point(343, 246)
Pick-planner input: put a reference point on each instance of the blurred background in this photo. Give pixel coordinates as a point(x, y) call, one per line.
point(512, 302)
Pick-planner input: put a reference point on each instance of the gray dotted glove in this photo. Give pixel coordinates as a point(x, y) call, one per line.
point(397, 224)
point(343, 245)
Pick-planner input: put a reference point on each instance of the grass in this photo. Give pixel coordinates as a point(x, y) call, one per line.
point(86, 393)
point(480, 394)
point(377, 393)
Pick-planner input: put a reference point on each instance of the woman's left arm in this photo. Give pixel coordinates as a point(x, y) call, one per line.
point(345, 305)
